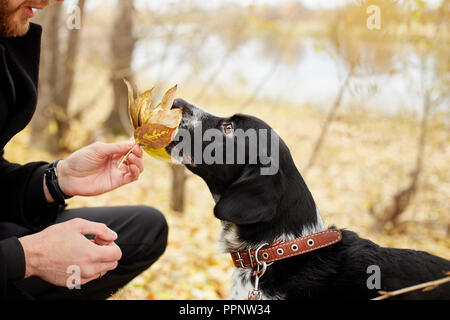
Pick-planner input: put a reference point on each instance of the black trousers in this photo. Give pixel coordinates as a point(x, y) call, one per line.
point(142, 237)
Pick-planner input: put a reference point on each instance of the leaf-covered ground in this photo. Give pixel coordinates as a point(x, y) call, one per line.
point(366, 157)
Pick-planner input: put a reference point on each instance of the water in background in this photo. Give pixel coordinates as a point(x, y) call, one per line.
point(312, 77)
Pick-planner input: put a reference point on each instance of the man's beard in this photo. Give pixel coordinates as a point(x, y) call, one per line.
point(9, 27)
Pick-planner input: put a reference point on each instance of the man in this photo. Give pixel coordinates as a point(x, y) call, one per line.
point(43, 247)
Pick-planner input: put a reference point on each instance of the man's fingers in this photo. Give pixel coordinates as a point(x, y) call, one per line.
point(132, 174)
point(94, 228)
point(108, 253)
point(100, 270)
point(99, 241)
point(108, 266)
point(123, 147)
point(137, 162)
point(114, 148)
point(138, 151)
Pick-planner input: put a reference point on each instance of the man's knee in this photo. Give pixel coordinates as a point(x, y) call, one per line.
point(146, 238)
point(155, 223)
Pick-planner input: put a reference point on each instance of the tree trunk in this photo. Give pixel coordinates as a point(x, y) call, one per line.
point(178, 183)
point(56, 82)
point(122, 46)
point(391, 211)
point(48, 80)
point(64, 91)
point(329, 119)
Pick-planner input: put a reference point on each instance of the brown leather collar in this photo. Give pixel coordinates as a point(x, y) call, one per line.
point(282, 250)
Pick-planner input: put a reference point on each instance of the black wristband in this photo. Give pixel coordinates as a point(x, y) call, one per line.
point(51, 181)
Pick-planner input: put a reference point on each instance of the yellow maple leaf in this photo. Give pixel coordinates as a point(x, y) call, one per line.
point(154, 127)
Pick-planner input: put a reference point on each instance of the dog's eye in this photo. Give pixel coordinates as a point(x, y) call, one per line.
point(227, 128)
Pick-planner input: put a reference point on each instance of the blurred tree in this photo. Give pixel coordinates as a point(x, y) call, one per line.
point(359, 50)
point(56, 82)
point(178, 190)
point(47, 79)
point(233, 33)
point(434, 68)
point(343, 48)
point(122, 46)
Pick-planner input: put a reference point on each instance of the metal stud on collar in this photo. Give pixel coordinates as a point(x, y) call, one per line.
point(240, 260)
point(257, 251)
point(265, 255)
point(250, 256)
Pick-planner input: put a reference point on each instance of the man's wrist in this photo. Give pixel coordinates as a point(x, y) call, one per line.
point(62, 178)
point(61, 181)
point(30, 255)
point(47, 194)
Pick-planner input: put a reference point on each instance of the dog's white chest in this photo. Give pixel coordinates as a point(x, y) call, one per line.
point(242, 284)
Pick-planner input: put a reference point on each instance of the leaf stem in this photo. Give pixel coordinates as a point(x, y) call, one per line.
point(126, 156)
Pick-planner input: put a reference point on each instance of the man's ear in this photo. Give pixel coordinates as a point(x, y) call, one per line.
point(252, 198)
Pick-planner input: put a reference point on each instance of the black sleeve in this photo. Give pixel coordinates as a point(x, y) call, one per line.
point(22, 198)
point(12, 263)
point(22, 201)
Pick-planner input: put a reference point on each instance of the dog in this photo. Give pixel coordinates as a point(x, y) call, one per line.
point(273, 217)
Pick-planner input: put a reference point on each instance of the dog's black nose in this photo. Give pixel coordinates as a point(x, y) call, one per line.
point(179, 104)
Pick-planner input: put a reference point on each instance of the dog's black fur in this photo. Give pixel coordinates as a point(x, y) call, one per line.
point(266, 208)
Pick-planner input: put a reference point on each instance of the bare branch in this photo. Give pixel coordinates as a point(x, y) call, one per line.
point(427, 286)
point(330, 117)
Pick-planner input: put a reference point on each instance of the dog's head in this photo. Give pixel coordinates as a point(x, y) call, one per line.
point(238, 158)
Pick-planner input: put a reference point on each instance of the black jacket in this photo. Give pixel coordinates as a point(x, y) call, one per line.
point(22, 199)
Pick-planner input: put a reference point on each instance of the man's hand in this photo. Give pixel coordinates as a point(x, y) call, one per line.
point(50, 252)
point(93, 170)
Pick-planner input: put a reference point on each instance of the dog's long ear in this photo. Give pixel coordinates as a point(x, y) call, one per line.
point(252, 198)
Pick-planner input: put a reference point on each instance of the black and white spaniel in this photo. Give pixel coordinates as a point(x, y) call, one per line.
point(257, 209)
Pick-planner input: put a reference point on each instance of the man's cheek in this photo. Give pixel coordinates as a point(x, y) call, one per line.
point(8, 6)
